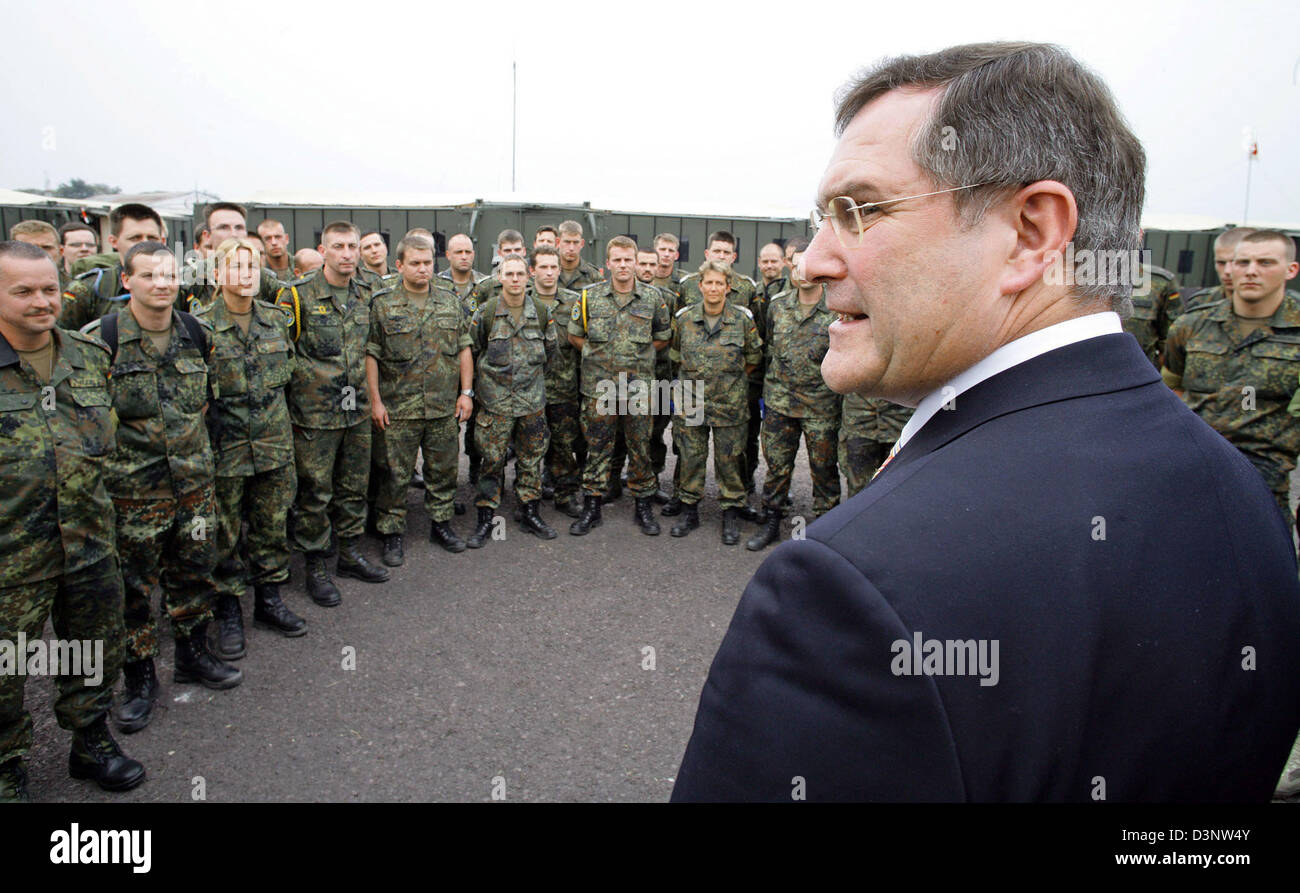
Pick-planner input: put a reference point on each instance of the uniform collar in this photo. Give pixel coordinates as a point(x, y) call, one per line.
point(1286, 316)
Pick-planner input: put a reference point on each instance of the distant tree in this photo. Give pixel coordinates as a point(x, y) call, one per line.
point(79, 188)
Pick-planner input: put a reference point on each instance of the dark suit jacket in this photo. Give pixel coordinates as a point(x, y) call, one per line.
point(1159, 663)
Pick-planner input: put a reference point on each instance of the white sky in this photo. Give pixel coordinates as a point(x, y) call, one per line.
point(721, 105)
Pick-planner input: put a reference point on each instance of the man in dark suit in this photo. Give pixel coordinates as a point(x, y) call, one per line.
point(1062, 585)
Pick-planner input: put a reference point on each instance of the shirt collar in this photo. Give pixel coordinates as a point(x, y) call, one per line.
point(1013, 354)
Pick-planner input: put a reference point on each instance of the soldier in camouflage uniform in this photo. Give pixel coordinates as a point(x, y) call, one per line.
point(56, 530)
point(329, 406)
point(743, 291)
point(96, 289)
point(797, 399)
point(225, 220)
point(278, 258)
point(565, 455)
point(869, 428)
point(715, 344)
point(373, 267)
point(1156, 304)
point(771, 269)
point(574, 271)
point(460, 263)
point(1236, 363)
point(420, 375)
point(161, 480)
point(1224, 246)
point(252, 444)
point(510, 243)
point(618, 326)
point(666, 273)
point(513, 339)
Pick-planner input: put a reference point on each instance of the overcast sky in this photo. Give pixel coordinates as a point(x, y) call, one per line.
point(722, 105)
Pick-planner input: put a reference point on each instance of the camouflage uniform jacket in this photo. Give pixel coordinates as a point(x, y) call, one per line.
point(1155, 307)
point(873, 419)
point(742, 292)
point(585, 274)
point(249, 415)
point(716, 359)
point(795, 348)
point(163, 449)
point(620, 332)
point(510, 372)
point(55, 513)
point(1203, 298)
point(462, 291)
point(1241, 383)
point(92, 293)
point(328, 388)
point(418, 352)
point(562, 374)
point(483, 291)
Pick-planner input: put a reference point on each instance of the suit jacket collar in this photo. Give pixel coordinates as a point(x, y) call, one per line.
point(1100, 365)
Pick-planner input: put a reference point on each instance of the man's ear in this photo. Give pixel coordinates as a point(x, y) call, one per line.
point(1043, 217)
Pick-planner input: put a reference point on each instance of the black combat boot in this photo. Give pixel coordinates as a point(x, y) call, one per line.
point(534, 524)
point(320, 586)
point(458, 507)
point(139, 694)
point(690, 519)
point(615, 488)
point(393, 556)
point(95, 755)
point(673, 508)
point(770, 533)
point(353, 564)
point(271, 612)
point(661, 496)
point(589, 518)
point(13, 782)
point(230, 643)
point(194, 663)
point(569, 505)
point(753, 516)
point(645, 516)
point(441, 532)
point(730, 527)
point(483, 532)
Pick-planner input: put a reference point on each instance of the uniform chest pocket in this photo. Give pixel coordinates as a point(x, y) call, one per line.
point(1275, 368)
point(15, 411)
point(1144, 306)
point(228, 371)
point(134, 388)
point(191, 384)
point(497, 354)
point(534, 346)
point(401, 337)
point(447, 331)
point(94, 422)
point(273, 360)
point(1204, 369)
point(639, 322)
point(599, 328)
point(324, 337)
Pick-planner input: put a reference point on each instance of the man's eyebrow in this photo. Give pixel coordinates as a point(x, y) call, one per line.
point(857, 189)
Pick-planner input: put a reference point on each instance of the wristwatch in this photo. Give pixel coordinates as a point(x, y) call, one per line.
point(469, 393)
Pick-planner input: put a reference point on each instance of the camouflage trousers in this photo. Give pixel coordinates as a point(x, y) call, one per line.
point(601, 431)
point(781, 445)
point(333, 466)
point(728, 462)
point(438, 441)
point(171, 542)
point(262, 499)
point(83, 606)
point(859, 459)
point(564, 453)
point(658, 449)
point(494, 433)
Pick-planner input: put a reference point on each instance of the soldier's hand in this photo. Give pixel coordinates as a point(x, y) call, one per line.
point(379, 415)
point(464, 408)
